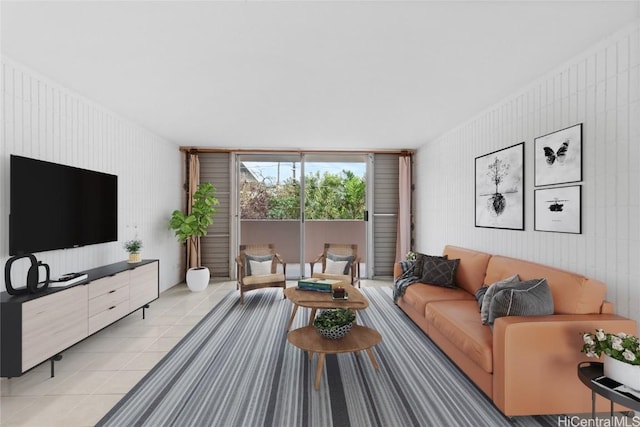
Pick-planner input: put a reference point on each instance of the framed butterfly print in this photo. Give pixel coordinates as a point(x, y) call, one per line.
point(558, 157)
point(558, 209)
point(500, 188)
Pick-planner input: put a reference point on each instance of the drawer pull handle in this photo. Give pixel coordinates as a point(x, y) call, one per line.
point(112, 307)
point(112, 291)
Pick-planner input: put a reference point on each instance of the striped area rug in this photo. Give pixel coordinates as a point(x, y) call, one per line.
point(236, 368)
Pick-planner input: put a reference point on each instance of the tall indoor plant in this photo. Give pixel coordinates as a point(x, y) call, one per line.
point(189, 228)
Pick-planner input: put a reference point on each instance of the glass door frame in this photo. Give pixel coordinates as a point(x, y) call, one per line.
point(302, 159)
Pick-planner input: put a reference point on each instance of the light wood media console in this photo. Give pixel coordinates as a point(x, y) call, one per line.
point(36, 328)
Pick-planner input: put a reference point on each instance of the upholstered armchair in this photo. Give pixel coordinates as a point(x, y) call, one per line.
point(338, 262)
point(258, 268)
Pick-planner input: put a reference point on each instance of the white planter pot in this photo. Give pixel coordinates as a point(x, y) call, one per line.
point(198, 278)
point(624, 373)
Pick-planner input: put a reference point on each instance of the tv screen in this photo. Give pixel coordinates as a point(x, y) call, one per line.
point(54, 206)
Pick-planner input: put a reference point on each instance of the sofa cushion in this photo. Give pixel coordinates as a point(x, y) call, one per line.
point(528, 298)
point(471, 271)
point(439, 272)
point(419, 295)
point(417, 267)
point(460, 323)
point(491, 291)
point(572, 293)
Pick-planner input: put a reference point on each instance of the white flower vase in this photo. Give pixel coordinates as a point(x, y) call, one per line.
point(198, 278)
point(622, 372)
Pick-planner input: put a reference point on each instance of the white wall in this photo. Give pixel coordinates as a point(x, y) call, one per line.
point(601, 89)
point(43, 120)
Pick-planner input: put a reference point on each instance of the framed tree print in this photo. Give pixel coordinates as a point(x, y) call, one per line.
point(558, 157)
point(500, 188)
point(559, 209)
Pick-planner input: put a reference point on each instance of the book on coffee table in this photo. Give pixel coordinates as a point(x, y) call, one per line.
point(317, 284)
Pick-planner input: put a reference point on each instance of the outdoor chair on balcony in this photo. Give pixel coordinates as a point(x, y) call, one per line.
point(339, 262)
point(258, 268)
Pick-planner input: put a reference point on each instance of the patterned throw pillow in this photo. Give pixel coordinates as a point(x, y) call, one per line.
point(417, 268)
point(528, 298)
point(259, 258)
point(439, 272)
point(488, 296)
point(333, 257)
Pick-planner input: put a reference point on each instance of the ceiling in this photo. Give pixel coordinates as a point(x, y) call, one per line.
point(302, 74)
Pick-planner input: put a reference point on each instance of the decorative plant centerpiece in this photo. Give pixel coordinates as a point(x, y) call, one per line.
point(335, 323)
point(133, 247)
point(621, 355)
point(189, 228)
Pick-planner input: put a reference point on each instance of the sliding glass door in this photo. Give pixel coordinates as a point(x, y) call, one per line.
point(301, 201)
point(335, 204)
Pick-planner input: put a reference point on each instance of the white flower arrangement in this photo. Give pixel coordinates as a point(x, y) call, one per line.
point(620, 346)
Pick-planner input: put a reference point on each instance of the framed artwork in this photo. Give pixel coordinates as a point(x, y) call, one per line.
point(558, 157)
point(500, 188)
point(559, 209)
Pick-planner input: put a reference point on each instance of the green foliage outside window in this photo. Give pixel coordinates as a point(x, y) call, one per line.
point(327, 196)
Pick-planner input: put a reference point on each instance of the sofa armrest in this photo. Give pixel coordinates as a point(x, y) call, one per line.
point(607, 307)
point(535, 359)
point(397, 270)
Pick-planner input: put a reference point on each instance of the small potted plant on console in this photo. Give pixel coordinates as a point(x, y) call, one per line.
point(335, 323)
point(133, 247)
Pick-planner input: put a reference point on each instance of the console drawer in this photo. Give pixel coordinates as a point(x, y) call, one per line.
point(108, 316)
point(107, 284)
point(105, 301)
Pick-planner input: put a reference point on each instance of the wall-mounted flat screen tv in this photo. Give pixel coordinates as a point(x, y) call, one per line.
point(54, 206)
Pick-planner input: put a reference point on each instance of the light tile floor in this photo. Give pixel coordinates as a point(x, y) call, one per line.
point(97, 372)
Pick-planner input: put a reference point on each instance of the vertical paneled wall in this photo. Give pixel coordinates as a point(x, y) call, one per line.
point(601, 89)
point(45, 121)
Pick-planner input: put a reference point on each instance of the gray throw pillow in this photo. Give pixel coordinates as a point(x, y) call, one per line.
point(417, 268)
point(259, 258)
point(528, 298)
point(491, 291)
point(439, 272)
point(348, 258)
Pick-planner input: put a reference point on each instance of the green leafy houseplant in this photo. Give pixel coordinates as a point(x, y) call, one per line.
point(622, 347)
point(194, 225)
point(335, 318)
point(133, 246)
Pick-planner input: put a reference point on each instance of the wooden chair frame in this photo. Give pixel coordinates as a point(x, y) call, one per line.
point(272, 280)
point(339, 249)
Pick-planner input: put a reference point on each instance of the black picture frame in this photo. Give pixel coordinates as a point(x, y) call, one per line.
point(558, 209)
point(499, 188)
point(558, 157)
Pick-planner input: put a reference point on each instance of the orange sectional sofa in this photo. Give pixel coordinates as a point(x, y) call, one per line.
point(527, 365)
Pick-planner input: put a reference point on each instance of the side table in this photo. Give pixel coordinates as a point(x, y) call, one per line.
point(359, 338)
point(588, 372)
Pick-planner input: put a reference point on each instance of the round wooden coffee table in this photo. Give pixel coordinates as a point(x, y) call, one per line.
point(320, 300)
point(359, 338)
